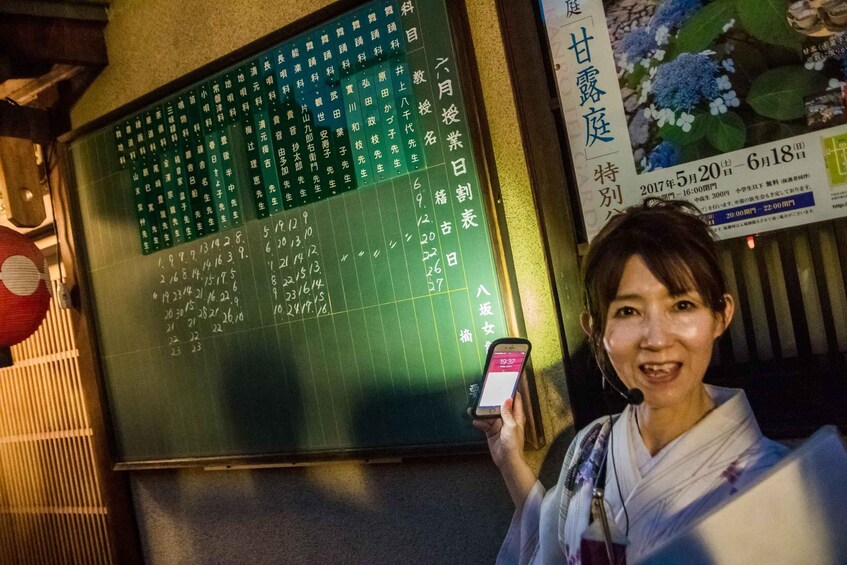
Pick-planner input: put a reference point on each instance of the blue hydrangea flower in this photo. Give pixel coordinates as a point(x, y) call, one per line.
point(638, 44)
point(663, 155)
point(685, 82)
point(672, 13)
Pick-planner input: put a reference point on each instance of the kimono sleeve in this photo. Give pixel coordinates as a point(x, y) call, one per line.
point(526, 529)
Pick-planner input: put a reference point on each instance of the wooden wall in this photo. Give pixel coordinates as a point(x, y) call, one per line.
point(51, 503)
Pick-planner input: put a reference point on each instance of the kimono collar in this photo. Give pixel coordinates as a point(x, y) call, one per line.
point(732, 414)
point(721, 436)
point(685, 470)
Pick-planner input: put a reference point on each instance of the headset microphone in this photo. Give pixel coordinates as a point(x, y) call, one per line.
point(632, 396)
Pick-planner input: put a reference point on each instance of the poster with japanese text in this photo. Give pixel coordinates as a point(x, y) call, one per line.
point(735, 105)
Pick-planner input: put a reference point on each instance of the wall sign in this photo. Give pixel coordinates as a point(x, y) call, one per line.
point(735, 105)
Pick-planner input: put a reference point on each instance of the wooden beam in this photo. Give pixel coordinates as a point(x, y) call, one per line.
point(20, 183)
point(57, 40)
point(55, 10)
point(24, 92)
point(69, 92)
point(24, 122)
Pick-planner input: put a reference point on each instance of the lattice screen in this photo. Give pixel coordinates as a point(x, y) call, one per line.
point(51, 507)
point(792, 291)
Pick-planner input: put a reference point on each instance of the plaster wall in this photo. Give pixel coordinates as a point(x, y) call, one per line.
point(436, 510)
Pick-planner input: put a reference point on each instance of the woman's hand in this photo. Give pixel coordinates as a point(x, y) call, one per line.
point(505, 437)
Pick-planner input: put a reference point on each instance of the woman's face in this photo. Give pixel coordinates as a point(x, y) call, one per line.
point(659, 343)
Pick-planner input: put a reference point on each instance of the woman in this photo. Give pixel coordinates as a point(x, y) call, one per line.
point(655, 302)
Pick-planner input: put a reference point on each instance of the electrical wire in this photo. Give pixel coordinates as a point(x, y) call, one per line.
point(614, 467)
point(617, 481)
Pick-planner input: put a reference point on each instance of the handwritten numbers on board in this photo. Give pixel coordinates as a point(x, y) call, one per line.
point(201, 292)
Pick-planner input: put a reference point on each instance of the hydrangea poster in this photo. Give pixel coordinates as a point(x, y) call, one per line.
point(736, 105)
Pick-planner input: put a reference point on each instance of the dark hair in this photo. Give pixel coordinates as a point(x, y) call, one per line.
point(674, 242)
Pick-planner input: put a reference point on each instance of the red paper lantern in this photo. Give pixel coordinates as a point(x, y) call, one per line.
point(24, 287)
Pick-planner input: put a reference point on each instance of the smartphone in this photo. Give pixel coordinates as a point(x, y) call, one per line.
point(503, 367)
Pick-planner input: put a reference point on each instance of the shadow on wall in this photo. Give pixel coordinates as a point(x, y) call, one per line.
point(435, 510)
point(444, 510)
point(262, 397)
point(429, 510)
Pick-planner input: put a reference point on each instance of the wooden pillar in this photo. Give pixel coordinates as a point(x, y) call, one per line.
point(20, 183)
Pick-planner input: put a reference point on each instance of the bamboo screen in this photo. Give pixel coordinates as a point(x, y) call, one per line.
point(51, 506)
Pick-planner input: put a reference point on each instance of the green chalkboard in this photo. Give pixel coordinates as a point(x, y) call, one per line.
point(294, 255)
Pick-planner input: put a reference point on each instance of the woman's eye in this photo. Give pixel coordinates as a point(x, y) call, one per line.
point(624, 312)
point(684, 305)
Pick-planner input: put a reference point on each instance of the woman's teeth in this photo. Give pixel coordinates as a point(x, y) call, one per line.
point(659, 369)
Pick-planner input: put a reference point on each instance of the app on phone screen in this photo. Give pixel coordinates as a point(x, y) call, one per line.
point(503, 372)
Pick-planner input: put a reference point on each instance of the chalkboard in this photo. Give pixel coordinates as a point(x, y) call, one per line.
point(294, 255)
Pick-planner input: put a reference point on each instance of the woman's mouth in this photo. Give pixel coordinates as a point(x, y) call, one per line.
point(660, 372)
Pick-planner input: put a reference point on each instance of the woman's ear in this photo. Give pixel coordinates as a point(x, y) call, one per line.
point(585, 321)
point(726, 315)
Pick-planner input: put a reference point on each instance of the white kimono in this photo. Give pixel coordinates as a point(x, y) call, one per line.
point(664, 494)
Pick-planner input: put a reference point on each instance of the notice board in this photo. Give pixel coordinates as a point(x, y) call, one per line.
point(298, 254)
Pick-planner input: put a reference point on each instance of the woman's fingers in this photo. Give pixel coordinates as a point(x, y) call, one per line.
point(506, 412)
point(512, 411)
point(483, 425)
point(517, 410)
point(490, 427)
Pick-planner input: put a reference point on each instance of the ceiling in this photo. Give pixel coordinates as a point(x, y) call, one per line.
point(50, 50)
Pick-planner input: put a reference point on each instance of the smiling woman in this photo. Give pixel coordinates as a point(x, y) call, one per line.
point(661, 344)
point(655, 303)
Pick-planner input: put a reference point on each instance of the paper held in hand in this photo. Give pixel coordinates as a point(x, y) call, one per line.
point(797, 513)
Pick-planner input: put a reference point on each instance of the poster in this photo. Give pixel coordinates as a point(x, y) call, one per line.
point(737, 106)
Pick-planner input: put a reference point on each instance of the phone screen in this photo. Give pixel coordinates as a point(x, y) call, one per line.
point(503, 373)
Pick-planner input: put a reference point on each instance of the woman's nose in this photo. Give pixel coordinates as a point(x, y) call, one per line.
point(656, 332)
